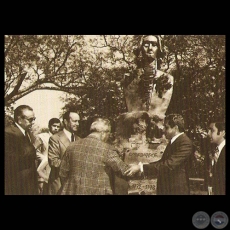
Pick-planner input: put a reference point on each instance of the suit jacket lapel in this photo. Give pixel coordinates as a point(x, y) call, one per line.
point(16, 130)
point(19, 133)
point(167, 151)
point(171, 147)
point(221, 157)
point(64, 139)
point(178, 138)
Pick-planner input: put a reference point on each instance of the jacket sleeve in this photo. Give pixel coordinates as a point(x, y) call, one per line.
point(222, 175)
point(54, 155)
point(150, 170)
point(181, 152)
point(11, 164)
point(113, 160)
point(64, 167)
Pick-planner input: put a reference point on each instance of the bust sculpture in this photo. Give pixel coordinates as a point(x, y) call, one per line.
point(148, 89)
point(147, 93)
point(151, 89)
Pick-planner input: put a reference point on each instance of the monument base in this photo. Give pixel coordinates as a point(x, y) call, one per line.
point(141, 152)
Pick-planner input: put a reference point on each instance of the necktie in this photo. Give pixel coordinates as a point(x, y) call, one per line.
point(216, 154)
point(72, 137)
point(27, 136)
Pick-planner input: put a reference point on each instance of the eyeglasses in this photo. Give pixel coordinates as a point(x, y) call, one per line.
point(30, 119)
point(106, 131)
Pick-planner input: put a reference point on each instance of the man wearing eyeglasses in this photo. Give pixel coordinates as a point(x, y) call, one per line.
point(20, 154)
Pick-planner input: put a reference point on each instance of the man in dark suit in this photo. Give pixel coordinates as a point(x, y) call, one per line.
point(57, 147)
point(20, 154)
point(171, 170)
point(86, 166)
point(218, 163)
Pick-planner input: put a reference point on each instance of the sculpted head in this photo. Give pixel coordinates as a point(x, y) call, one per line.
point(148, 50)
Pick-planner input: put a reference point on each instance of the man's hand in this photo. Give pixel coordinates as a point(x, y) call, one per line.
point(132, 170)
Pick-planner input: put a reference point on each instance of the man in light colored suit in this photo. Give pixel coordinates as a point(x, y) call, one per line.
point(57, 147)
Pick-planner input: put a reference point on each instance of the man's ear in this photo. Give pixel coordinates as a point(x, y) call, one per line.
point(19, 120)
point(223, 132)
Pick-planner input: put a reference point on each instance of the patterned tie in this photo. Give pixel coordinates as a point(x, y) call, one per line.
point(72, 137)
point(216, 153)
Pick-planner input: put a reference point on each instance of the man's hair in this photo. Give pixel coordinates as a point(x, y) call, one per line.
point(220, 126)
point(18, 111)
point(100, 125)
point(175, 119)
point(67, 113)
point(52, 121)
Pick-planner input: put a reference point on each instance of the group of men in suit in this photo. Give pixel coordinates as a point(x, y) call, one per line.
point(22, 175)
point(88, 164)
point(171, 170)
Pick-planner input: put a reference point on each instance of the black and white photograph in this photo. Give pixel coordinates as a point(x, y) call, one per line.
point(115, 115)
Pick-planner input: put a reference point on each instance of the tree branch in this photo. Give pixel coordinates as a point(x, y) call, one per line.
point(16, 89)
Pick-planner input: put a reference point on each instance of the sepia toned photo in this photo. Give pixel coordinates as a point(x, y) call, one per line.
point(114, 114)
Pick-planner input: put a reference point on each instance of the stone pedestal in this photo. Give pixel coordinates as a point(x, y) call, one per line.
point(137, 151)
point(134, 135)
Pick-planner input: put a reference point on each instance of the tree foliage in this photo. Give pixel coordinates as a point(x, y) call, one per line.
point(199, 89)
point(91, 68)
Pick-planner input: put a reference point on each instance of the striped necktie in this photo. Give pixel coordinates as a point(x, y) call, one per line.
point(27, 136)
point(72, 137)
point(216, 153)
